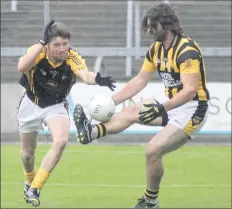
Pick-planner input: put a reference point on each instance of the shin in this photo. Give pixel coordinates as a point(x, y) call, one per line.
point(168, 140)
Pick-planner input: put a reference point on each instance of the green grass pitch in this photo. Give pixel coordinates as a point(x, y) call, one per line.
point(114, 177)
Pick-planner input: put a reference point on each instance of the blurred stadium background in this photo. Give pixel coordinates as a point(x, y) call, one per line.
point(108, 35)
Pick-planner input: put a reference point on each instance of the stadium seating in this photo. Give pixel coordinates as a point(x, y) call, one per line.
point(104, 23)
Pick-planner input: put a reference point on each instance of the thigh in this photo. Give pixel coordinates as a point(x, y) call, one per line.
point(132, 112)
point(29, 116)
point(190, 117)
point(59, 127)
point(167, 140)
point(57, 120)
point(28, 141)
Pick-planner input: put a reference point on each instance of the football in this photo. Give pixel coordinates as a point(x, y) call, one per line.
point(101, 107)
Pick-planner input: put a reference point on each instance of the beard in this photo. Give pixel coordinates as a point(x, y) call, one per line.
point(60, 59)
point(161, 36)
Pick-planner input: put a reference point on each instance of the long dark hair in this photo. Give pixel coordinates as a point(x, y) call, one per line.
point(165, 15)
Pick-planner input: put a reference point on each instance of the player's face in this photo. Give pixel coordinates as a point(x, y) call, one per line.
point(156, 30)
point(58, 49)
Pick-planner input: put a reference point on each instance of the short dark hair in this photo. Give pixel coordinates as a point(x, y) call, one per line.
point(58, 29)
point(165, 15)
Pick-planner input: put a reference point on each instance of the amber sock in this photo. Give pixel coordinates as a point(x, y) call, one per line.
point(30, 176)
point(40, 179)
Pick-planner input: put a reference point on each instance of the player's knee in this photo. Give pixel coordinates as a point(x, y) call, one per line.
point(153, 152)
point(27, 155)
point(60, 143)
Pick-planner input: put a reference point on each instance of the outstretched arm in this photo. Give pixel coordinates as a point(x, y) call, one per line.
point(134, 86)
point(87, 76)
point(139, 82)
point(92, 79)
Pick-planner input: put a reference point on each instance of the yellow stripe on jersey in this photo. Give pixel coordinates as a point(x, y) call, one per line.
point(161, 61)
point(190, 66)
point(31, 80)
point(182, 57)
point(150, 60)
point(75, 61)
point(191, 61)
point(181, 43)
point(170, 64)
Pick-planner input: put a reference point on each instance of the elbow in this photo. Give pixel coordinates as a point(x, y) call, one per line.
point(21, 68)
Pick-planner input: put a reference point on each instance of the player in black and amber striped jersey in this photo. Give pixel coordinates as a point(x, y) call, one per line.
point(183, 57)
point(179, 62)
point(49, 70)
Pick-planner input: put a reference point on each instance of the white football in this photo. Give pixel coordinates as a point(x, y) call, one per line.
point(101, 107)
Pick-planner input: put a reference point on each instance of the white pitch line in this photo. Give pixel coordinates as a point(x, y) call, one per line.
point(120, 185)
point(133, 152)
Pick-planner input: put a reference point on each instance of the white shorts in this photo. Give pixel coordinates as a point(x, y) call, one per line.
point(189, 117)
point(31, 117)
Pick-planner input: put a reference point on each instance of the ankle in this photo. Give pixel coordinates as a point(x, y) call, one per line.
point(151, 200)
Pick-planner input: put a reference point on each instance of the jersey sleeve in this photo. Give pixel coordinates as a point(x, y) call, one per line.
point(148, 64)
point(75, 61)
point(40, 56)
point(189, 61)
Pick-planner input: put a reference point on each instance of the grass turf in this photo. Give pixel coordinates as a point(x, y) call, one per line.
point(114, 177)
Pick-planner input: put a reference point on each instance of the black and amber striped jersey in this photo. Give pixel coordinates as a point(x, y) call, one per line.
point(182, 57)
point(47, 84)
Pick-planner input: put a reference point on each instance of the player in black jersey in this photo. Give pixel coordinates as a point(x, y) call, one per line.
point(49, 70)
point(179, 62)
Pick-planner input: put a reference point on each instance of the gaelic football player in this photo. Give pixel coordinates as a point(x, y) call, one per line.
point(49, 69)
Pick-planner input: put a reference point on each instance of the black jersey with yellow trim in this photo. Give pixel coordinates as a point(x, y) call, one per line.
point(182, 57)
point(47, 84)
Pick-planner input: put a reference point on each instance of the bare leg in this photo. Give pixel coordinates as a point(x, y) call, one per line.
point(125, 119)
point(59, 127)
point(28, 147)
point(168, 139)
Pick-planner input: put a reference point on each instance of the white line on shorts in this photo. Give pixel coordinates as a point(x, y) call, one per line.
point(119, 185)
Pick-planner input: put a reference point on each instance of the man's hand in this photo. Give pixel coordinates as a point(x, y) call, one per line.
point(44, 40)
point(152, 112)
point(105, 81)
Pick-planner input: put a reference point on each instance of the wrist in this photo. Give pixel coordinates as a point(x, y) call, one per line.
point(95, 79)
point(165, 107)
point(164, 110)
